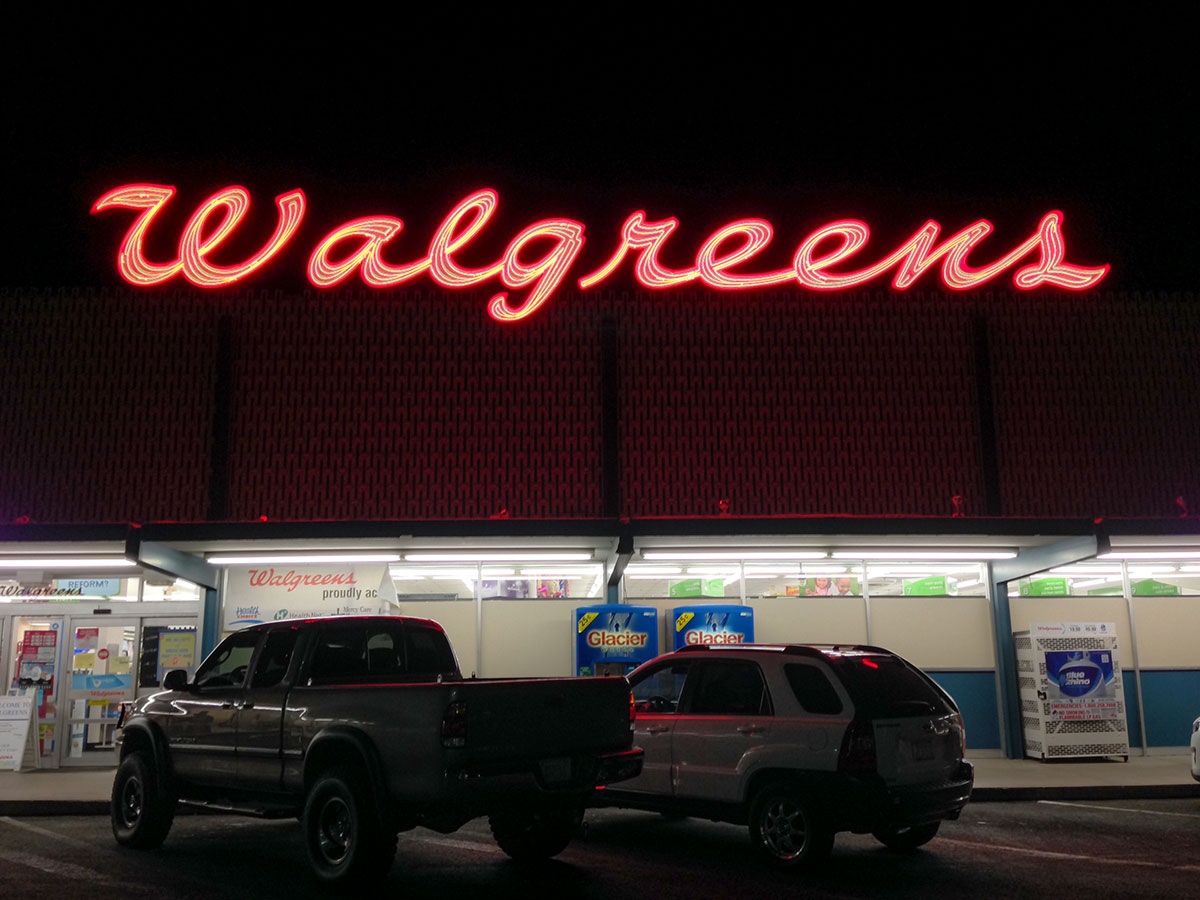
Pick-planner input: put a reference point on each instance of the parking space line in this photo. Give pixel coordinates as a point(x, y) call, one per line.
point(1149, 812)
point(57, 867)
point(1053, 854)
point(8, 820)
point(451, 842)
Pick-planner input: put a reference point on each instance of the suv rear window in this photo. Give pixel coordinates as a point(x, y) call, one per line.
point(886, 687)
point(813, 690)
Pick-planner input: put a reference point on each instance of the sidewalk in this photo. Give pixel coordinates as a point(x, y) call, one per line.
point(86, 791)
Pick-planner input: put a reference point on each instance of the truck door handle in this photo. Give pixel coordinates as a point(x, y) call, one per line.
point(227, 704)
point(749, 729)
point(247, 704)
point(657, 729)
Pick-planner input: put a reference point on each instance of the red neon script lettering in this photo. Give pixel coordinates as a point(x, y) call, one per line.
point(194, 246)
point(819, 263)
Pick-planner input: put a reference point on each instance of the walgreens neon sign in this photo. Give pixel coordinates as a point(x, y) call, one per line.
point(822, 261)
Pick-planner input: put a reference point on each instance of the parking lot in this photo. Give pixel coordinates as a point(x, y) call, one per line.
point(1148, 848)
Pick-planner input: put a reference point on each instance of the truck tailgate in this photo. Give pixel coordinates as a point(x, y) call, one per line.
point(530, 719)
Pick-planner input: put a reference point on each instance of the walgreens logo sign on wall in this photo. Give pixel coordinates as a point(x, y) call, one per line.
point(256, 594)
point(545, 255)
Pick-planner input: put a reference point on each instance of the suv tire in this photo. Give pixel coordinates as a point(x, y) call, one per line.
point(530, 835)
point(141, 811)
point(346, 843)
point(910, 838)
point(787, 829)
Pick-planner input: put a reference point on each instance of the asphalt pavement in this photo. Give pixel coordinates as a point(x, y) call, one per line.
point(1132, 848)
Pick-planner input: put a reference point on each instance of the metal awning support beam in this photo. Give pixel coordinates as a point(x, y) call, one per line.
point(169, 561)
point(1000, 573)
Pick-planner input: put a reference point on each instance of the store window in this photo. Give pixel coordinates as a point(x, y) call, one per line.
point(36, 650)
point(1100, 578)
point(415, 583)
point(176, 590)
point(73, 589)
point(163, 648)
point(919, 579)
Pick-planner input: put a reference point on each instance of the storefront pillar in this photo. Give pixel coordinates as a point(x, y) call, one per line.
point(1000, 573)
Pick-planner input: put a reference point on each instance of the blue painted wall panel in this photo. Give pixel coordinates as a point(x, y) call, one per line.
point(975, 694)
point(1172, 702)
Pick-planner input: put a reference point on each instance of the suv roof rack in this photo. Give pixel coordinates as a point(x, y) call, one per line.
point(791, 649)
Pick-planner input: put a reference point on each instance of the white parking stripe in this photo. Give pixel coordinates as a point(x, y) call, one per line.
point(451, 842)
point(56, 867)
point(43, 831)
point(1050, 854)
point(1149, 812)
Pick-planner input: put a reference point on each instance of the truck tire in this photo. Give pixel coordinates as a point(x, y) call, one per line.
point(141, 811)
point(346, 844)
point(905, 839)
point(786, 828)
point(528, 835)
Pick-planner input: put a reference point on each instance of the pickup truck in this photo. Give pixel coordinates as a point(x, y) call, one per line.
point(363, 727)
point(798, 742)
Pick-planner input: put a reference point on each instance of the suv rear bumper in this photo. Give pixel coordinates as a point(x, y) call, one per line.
point(876, 804)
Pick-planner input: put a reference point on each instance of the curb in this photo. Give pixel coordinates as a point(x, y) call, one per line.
point(1092, 792)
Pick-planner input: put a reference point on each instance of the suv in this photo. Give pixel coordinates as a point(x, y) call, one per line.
point(798, 742)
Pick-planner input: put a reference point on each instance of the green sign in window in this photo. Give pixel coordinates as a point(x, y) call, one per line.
point(697, 587)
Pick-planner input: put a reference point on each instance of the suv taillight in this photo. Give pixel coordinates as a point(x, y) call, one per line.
point(632, 711)
point(858, 749)
point(454, 725)
point(962, 733)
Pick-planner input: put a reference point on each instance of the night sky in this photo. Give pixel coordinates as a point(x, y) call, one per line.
point(705, 115)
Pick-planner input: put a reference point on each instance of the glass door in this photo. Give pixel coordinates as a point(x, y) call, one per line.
point(35, 651)
point(100, 666)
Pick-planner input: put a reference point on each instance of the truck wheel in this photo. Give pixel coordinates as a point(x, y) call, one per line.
point(786, 828)
point(907, 838)
point(530, 835)
point(141, 812)
point(345, 842)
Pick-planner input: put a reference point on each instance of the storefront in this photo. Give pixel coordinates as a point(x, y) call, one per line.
point(83, 628)
point(938, 592)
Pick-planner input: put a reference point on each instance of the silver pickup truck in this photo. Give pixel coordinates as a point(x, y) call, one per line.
point(363, 727)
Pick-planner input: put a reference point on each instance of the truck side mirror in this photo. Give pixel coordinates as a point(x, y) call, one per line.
point(176, 680)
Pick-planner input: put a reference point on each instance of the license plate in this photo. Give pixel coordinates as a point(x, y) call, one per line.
point(556, 770)
point(922, 750)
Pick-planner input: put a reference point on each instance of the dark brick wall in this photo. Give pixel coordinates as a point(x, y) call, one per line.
point(416, 405)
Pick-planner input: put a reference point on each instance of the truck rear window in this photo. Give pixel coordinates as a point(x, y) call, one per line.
point(886, 687)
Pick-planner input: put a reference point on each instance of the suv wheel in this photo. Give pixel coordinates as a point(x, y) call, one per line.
point(786, 828)
point(530, 835)
point(345, 841)
point(141, 813)
point(907, 838)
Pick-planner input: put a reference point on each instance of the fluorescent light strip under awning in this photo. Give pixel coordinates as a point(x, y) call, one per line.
point(50, 562)
point(940, 555)
point(303, 558)
point(733, 554)
point(531, 556)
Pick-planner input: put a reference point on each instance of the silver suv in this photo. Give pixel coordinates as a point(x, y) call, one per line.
point(798, 742)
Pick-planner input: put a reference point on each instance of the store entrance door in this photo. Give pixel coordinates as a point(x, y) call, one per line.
point(98, 677)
